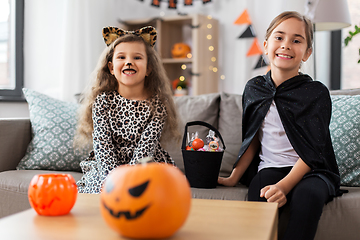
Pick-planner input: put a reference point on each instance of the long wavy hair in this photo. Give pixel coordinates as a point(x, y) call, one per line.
point(102, 80)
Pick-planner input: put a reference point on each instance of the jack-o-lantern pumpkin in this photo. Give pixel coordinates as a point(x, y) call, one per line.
point(180, 50)
point(146, 200)
point(52, 194)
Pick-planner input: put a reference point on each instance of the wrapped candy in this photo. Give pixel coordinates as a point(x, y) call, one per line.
point(211, 143)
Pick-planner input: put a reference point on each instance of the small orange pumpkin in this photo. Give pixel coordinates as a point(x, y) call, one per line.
point(180, 50)
point(52, 194)
point(146, 200)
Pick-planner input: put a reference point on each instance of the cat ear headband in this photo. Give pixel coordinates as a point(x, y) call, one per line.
point(148, 33)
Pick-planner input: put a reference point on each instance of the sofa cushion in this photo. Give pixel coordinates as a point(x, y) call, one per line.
point(193, 108)
point(345, 135)
point(53, 127)
point(230, 127)
point(340, 217)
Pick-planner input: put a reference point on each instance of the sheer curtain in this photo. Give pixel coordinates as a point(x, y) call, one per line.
point(63, 38)
point(62, 43)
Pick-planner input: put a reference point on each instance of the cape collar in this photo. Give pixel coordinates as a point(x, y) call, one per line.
point(291, 82)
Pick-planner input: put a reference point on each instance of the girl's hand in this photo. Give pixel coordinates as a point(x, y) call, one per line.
point(274, 194)
point(229, 181)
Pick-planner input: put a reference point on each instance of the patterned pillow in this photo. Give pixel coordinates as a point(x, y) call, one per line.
point(53, 125)
point(345, 135)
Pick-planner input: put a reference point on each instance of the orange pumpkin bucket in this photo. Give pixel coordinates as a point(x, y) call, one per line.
point(52, 194)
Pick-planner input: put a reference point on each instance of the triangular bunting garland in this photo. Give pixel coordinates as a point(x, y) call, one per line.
point(261, 63)
point(248, 33)
point(155, 3)
point(188, 2)
point(172, 4)
point(255, 49)
point(243, 19)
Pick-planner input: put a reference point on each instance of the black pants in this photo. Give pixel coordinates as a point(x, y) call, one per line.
point(299, 217)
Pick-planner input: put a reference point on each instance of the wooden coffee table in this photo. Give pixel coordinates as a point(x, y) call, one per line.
point(208, 219)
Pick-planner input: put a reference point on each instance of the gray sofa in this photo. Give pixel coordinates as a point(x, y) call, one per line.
point(340, 218)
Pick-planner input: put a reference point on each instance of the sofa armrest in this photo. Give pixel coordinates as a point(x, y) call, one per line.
point(15, 136)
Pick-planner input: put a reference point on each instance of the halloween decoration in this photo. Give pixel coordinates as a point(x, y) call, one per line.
point(110, 34)
point(180, 50)
point(180, 86)
point(173, 3)
point(146, 200)
point(202, 166)
point(255, 48)
point(52, 194)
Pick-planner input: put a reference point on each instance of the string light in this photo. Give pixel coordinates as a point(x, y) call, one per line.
point(211, 48)
point(209, 37)
point(215, 69)
point(183, 67)
point(222, 77)
point(182, 78)
point(213, 59)
point(189, 55)
point(209, 26)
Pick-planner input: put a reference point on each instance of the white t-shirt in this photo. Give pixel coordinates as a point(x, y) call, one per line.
point(276, 149)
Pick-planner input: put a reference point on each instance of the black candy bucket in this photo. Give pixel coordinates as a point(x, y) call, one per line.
point(202, 167)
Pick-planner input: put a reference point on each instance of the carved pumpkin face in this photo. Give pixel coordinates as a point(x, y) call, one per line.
point(145, 201)
point(52, 194)
point(180, 50)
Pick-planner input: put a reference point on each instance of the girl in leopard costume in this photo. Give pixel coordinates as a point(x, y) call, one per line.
point(126, 109)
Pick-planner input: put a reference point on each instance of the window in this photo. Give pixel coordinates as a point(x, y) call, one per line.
point(350, 54)
point(11, 49)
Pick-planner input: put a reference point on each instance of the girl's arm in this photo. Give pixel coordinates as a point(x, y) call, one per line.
point(277, 193)
point(102, 136)
point(242, 164)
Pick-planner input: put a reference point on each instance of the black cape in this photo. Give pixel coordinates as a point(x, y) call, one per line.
point(304, 108)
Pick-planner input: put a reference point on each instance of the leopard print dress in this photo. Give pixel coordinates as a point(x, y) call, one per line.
point(124, 132)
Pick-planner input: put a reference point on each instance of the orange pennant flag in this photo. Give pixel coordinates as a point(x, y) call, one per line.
point(255, 48)
point(243, 19)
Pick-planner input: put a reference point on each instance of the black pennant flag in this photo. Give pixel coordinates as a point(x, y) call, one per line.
point(261, 62)
point(248, 33)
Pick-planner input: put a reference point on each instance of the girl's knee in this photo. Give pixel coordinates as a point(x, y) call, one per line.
point(313, 192)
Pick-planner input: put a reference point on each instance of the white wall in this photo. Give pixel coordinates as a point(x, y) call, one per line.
point(63, 40)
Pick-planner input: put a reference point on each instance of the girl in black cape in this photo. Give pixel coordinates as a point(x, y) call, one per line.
point(286, 155)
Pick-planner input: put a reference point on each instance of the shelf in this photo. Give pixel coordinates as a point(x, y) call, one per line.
point(177, 60)
point(200, 33)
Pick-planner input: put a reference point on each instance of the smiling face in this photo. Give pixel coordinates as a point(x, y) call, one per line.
point(129, 65)
point(287, 47)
